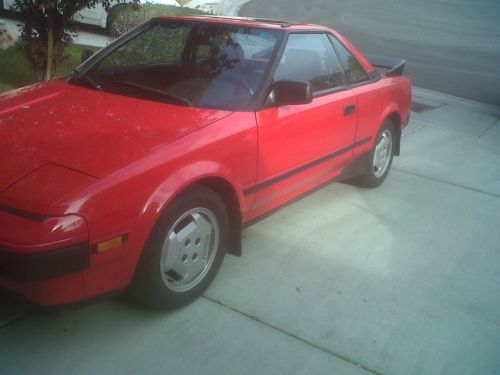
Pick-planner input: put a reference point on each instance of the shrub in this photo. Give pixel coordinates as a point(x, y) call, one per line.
point(16, 72)
point(47, 30)
point(123, 17)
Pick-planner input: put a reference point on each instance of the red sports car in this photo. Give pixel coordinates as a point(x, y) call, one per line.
point(138, 171)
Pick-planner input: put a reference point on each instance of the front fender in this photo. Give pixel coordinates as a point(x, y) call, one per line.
point(213, 178)
point(186, 176)
point(129, 201)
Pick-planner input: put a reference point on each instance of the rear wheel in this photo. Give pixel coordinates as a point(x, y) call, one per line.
point(380, 159)
point(185, 250)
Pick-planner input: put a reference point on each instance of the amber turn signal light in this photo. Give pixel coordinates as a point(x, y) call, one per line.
point(111, 244)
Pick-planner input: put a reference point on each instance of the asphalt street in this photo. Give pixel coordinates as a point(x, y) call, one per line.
point(451, 46)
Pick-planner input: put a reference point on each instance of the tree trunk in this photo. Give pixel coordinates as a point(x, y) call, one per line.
point(50, 43)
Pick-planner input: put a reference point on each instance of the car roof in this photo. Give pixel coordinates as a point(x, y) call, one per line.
point(250, 21)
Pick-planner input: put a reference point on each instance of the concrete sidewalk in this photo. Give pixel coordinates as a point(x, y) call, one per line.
point(402, 279)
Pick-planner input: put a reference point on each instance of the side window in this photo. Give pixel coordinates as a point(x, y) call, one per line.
point(353, 69)
point(310, 58)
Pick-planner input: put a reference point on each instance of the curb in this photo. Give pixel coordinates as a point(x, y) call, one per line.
point(442, 98)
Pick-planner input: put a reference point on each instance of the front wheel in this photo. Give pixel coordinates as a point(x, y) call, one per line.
point(185, 250)
point(380, 159)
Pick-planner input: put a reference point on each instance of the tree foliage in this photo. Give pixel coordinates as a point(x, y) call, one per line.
point(50, 17)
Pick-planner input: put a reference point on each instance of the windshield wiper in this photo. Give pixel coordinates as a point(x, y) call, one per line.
point(80, 76)
point(154, 91)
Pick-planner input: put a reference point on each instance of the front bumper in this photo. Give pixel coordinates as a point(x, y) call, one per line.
point(43, 258)
point(23, 267)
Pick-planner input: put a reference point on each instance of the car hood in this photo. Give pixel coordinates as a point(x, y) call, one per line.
point(88, 131)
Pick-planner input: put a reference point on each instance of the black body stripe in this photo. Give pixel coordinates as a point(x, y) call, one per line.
point(293, 172)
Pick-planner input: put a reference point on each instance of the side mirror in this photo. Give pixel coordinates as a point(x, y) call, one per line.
point(292, 93)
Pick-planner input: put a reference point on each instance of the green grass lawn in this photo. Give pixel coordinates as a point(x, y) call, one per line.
point(15, 72)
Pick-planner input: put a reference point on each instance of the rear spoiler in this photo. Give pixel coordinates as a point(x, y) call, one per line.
point(394, 66)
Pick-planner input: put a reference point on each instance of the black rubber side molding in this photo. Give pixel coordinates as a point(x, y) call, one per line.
point(45, 265)
point(394, 66)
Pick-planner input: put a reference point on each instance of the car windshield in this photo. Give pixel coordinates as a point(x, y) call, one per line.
point(199, 64)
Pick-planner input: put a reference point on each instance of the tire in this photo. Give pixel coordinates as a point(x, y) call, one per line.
point(184, 252)
point(380, 157)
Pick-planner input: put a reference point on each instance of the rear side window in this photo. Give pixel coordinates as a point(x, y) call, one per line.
point(311, 58)
point(353, 69)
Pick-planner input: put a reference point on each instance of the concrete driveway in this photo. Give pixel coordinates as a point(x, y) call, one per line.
point(402, 279)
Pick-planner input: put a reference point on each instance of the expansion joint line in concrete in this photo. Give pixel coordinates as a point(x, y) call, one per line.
point(446, 182)
point(11, 320)
point(296, 337)
point(496, 122)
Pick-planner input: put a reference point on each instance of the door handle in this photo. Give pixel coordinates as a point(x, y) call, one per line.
point(349, 109)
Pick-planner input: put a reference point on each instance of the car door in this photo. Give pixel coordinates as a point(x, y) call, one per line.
point(301, 146)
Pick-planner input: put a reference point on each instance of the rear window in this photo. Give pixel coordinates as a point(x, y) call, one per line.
point(353, 69)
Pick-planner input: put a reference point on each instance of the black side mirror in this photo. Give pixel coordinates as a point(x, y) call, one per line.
point(292, 93)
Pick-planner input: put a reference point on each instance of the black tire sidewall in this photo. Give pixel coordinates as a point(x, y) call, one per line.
point(387, 125)
point(148, 285)
point(368, 179)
